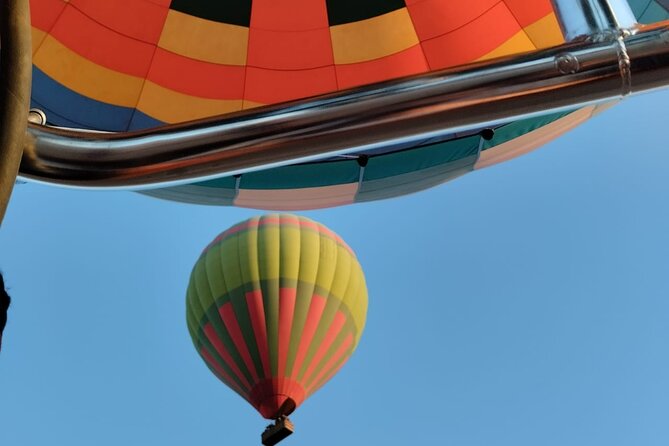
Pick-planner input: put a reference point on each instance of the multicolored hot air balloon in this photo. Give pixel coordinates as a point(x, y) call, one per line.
point(275, 306)
point(133, 64)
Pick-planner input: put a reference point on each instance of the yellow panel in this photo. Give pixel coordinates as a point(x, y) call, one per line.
point(170, 106)
point(201, 39)
point(357, 289)
point(310, 242)
point(343, 275)
point(545, 32)
point(251, 257)
point(290, 244)
point(250, 104)
point(518, 43)
point(373, 38)
point(327, 262)
point(85, 77)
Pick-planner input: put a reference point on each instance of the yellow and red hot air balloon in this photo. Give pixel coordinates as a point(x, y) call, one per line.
point(275, 306)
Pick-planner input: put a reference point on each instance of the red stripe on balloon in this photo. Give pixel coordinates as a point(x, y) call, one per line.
point(43, 14)
point(230, 320)
point(222, 374)
point(257, 316)
point(318, 384)
point(101, 45)
point(333, 360)
point(286, 311)
point(404, 63)
point(310, 325)
point(267, 396)
point(330, 336)
point(211, 334)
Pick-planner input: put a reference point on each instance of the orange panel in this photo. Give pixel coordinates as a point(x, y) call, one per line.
point(433, 18)
point(528, 12)
point(170, 106)
point(141, 20)
point(101, 45)
point(284, 50)
point(294, 199)
point(289, 15)
point(407, 62)
point(195, 77)
point(43, 13)
point(261, 84)
point(472, 41)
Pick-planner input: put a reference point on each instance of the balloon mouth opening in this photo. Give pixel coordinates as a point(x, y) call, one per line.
point(277, 406)
point(276, 397)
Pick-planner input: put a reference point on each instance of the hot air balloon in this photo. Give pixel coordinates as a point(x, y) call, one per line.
point(135, 64)
point(275, 306)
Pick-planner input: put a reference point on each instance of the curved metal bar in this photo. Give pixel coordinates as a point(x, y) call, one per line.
point(403, 110)
point(15, 77)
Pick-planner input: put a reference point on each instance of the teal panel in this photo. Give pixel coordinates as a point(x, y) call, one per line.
point(415, 181)
point(649, 11)
point(515, 129)
point(389, 165)
point(220, 183)
point(305, 175)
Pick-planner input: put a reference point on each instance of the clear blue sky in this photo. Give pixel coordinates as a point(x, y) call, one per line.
point(525, 304)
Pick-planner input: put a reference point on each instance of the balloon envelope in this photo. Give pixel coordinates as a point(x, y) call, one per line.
point(275, 306)
point(133, 64)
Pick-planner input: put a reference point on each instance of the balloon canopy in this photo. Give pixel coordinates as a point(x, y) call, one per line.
point(134, 64)
point(275, 306)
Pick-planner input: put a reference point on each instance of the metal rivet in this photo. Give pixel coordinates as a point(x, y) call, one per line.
point(36, 116)
point(567, 64)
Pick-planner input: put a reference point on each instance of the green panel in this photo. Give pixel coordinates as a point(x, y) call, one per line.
point(267, 246)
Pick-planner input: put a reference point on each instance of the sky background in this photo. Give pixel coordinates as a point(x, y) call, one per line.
point(524, 304)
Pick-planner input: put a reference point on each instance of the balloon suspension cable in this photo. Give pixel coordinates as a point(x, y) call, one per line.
point(276, 432)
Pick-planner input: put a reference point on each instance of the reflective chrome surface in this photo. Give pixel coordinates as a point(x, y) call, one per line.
point(403, 110)
point(581, 19)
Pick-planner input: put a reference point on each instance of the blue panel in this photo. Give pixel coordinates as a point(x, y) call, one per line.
point(141, 121)
point(74, 110)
